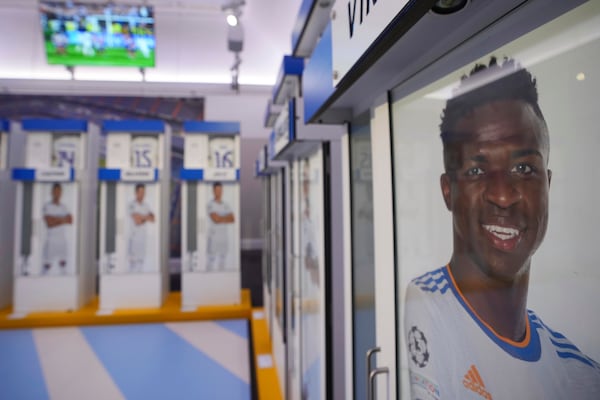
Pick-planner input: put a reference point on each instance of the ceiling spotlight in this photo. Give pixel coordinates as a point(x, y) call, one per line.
point(232, 20)
point(580, 76)
point(446, 7)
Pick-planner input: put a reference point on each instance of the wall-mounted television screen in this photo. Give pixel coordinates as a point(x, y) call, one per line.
point(99, 34)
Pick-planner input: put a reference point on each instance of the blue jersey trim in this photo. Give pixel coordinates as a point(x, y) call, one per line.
point(433, 281)
point(577, 357)
point(531, 352)
point(564, 347)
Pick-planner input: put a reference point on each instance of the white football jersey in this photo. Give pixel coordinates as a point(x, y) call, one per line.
point(138, 208)
point(55, 245)
point(137, 234)
point(217, 233)
point(222, 152)
point(55, 210)
point(144, 152)
point(310, 248)
point(453, 354)
point(65, 152)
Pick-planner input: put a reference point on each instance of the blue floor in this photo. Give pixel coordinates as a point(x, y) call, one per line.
point(188, 360)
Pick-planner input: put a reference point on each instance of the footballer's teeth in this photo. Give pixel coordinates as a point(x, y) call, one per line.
point(502, 232)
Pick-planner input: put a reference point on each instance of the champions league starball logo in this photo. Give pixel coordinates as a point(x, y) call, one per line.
point(417, 346)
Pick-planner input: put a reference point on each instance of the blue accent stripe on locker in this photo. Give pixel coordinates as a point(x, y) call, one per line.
point(237, 174)
point(109, 174)
point(191, 174)
point(21, 375)
point(4, 125)
point(152, 362)
point(55, 125)
point(317, 85)
point(131, 125)
point(23, 174)
point(237, 326)
point(293, 65)
point(211, 127)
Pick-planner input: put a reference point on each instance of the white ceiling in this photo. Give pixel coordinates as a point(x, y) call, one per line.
point(192, 51)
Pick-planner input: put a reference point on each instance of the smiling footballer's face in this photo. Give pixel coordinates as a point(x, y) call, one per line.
point(56, 193)
point(140, 192)
point(497, 187)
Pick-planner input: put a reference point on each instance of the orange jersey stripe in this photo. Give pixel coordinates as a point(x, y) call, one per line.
point(523, 343)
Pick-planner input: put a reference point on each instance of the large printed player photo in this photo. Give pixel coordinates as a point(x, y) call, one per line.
point(142, 255)
point(51, 249)
point(219, 238)
point(57, 248)
point(468, 329)
point(214, 243)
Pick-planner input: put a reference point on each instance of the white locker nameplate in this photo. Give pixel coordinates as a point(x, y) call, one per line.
point(220, 174)
point(54, 174)
point(139, 174)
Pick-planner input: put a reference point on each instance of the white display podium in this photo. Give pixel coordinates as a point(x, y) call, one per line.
point(134, 215)
point(210, 255)
point(55, 215)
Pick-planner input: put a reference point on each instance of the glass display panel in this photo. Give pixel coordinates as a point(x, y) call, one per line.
point(496, 254)
point(49, 234)
point(280, 250)
point(311, 277)
point(363, 257)
point(266, 257)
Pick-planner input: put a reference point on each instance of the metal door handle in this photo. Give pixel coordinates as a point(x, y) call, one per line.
point(372, 375)
point(370, 352)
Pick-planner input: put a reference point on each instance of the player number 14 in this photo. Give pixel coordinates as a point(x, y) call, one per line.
point(66, 158)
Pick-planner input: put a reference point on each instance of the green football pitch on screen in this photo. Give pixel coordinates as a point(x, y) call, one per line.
point(108, 57)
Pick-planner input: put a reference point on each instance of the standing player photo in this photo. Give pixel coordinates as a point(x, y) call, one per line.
point(59, 243)
point(312, 350)
point(310, 248)
point(140, 216)
point(219, 241)
point(468, 328)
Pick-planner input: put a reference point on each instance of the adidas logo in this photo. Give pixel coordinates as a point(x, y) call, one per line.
point(473, 381)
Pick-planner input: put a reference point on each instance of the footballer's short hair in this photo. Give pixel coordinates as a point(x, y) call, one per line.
point(486, 84)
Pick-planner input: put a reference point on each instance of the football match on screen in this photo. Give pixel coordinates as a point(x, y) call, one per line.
point(99, 34)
